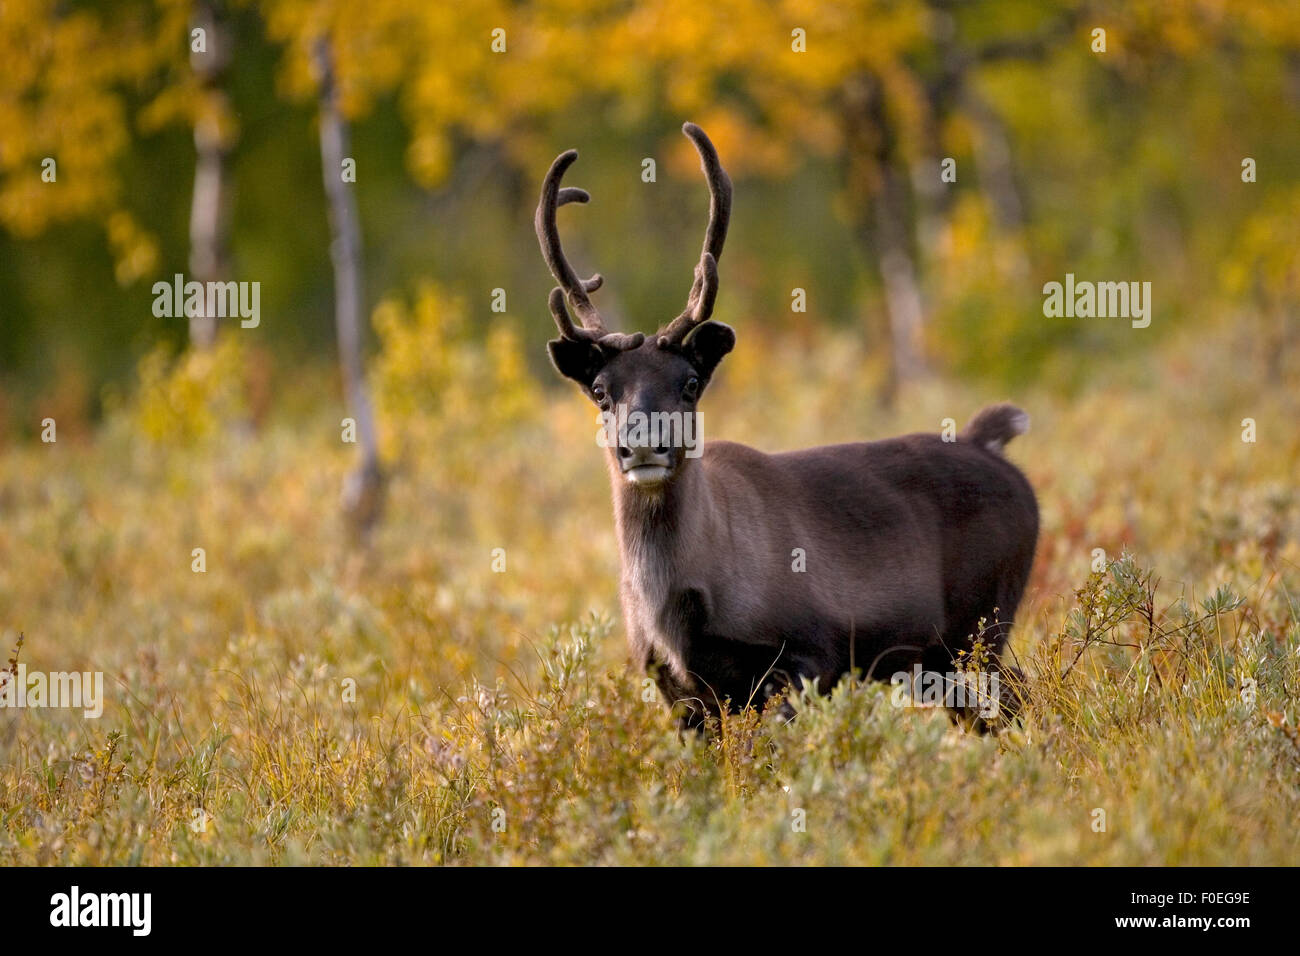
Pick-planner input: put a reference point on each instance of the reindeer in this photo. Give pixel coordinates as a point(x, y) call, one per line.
point(912, 545)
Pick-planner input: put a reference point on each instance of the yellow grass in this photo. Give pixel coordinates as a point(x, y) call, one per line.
point(303, 701)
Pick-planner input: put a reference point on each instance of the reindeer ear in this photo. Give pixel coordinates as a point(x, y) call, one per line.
point(706, 344)
point(578, 360)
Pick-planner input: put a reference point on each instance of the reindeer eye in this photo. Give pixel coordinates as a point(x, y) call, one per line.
point(599, 394)
point(692, 389)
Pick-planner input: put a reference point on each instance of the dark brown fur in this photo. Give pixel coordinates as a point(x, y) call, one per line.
point(908, 542)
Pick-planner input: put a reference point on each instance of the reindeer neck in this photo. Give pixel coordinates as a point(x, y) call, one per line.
point(663, 522)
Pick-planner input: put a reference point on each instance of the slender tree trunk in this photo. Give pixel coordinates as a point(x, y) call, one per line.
point(363, 489)
point(898, 272)
point(209, 209)
point(879, 189)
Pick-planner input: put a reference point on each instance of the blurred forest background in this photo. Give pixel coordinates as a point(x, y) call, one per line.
point(300, 693)
point(1122, 165)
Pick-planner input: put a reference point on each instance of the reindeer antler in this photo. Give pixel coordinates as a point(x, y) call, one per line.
point(704, 290)
point(592, 328)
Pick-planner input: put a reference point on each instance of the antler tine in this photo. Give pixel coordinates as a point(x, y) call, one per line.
point(567, 195)
point(719, 190)
point(704, 290)
point(592, 327)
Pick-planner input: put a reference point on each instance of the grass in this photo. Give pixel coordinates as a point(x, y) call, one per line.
point(306, 701)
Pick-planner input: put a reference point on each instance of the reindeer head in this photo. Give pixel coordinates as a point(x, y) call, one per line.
point(655, 380)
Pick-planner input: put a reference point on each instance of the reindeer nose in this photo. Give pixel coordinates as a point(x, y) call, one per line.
point(633, 457)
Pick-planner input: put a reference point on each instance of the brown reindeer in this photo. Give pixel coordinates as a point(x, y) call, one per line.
point(745, 572)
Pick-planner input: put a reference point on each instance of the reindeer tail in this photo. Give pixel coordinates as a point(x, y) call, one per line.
point(994, 426)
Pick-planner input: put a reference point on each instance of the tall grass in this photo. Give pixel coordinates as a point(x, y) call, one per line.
point(300, 701)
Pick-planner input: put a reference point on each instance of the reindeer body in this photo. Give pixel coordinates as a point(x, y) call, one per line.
point(745, 572)
point(906, 543)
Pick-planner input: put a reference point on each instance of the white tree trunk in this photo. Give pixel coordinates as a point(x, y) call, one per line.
point(363, 489)
point(209, 209)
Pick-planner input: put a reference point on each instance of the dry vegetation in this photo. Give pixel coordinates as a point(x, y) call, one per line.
point(478, 692)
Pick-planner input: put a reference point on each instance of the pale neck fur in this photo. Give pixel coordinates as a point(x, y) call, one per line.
point(661, 537)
